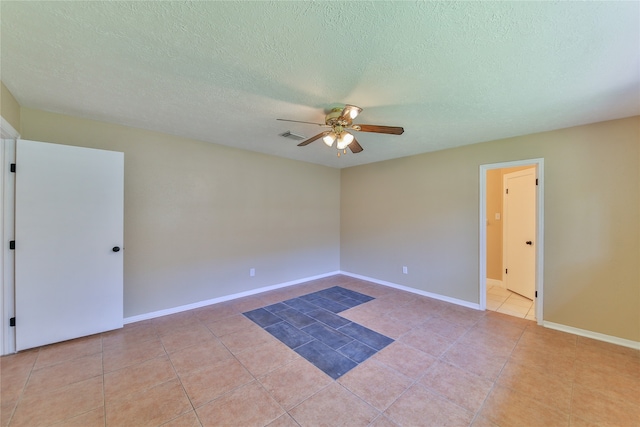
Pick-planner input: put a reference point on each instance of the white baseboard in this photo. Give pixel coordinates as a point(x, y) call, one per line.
point(495, 282)
point(205, 303)
point(569, 329)
point(415, 291)
point(594, 335)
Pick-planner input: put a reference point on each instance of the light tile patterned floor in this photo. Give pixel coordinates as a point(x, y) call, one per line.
point(504, 301)
point(449, 365)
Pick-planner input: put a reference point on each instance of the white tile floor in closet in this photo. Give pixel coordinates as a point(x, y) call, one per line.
point(504, 301)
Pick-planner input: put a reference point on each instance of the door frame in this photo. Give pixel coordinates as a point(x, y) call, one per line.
point(482, 282)
point(7, 228)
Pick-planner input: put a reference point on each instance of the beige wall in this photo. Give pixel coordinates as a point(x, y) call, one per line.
point(422, 212)
point(495, 199)
point(9, 108)
point(198, 216)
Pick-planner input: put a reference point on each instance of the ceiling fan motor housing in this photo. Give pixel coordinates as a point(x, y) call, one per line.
point(333, 119)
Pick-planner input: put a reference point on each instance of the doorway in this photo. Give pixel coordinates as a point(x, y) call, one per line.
point(90, 297)
point(526, 301)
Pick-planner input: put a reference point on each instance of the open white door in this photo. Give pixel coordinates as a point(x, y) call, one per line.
point(520, 232)
point(69, 222)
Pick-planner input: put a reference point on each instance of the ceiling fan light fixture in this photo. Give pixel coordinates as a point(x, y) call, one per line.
point(344, 140)
point(329, 138)
point(353, 111)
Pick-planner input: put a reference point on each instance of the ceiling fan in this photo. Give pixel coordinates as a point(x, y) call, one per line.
point(339, 120)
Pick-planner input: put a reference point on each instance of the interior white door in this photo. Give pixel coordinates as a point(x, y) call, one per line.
point(69, 222)
point(520, 231)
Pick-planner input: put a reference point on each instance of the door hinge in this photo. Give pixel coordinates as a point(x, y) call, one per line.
point(12, 244)
point(536, 294)
point(12, 321)
point(507, 191)
point(506, 270)
point(13, 167)
point(536, 181)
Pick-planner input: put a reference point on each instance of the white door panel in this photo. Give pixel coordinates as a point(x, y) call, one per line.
point(69, 216)
point(520, 232)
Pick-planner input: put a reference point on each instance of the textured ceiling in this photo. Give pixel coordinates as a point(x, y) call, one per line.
point(450, 73)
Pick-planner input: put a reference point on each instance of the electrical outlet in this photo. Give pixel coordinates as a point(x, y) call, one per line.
point(252, 272)
point(405, 270)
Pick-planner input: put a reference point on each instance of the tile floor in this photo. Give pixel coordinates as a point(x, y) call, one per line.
point(504, 301)
point(448, 365)
point(310, 326)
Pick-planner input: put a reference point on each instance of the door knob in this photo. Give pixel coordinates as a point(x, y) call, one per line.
point(116, 249)
point(529, 242)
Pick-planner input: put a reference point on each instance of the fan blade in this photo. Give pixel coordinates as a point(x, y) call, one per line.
point(393, 130)
point(355, 147)
point(298, 121)
point(313, 138)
